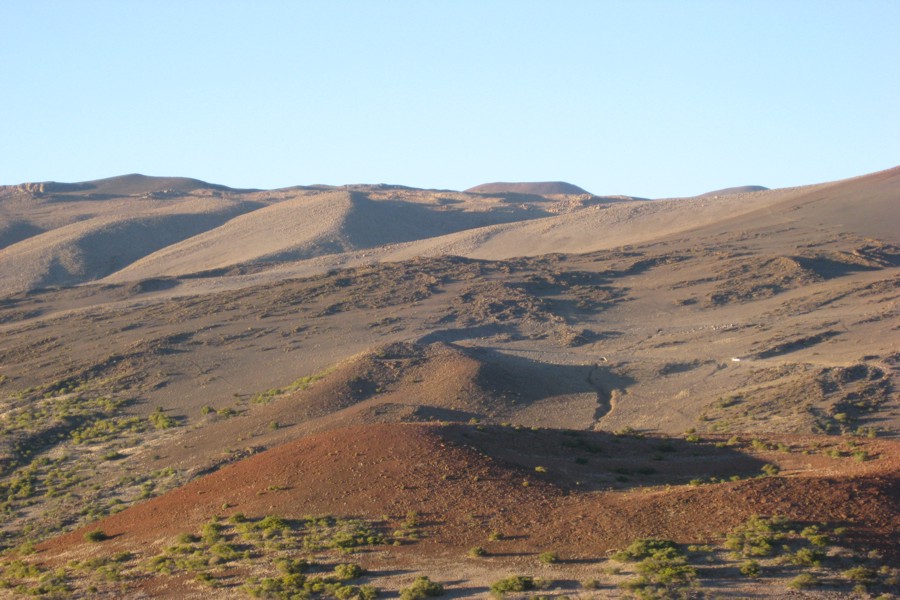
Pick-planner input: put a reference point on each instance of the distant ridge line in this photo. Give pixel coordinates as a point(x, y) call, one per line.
point(540, 188)
point(743, 189)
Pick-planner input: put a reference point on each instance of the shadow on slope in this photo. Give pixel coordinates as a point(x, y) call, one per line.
point(407, 382)
point(374, 223)
point(93, 249)
point(12, 232)
point(471, 383)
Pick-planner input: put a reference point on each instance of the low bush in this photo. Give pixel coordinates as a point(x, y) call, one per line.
point(161, 420)
point(861, 574)
point(422, 588)
point(751, 568)
point(804, 581)
point(645, 548)
point(663, 569)
point(96, 535)
point(756, 537)
point(806, 557)
point(348, 571)
point(548, 558)
point(770, 470)
point(514, 583)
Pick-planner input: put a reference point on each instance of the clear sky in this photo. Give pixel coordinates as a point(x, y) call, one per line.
point(638, 97)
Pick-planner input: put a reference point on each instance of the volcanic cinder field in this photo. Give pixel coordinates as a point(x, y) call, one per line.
point(517, 390)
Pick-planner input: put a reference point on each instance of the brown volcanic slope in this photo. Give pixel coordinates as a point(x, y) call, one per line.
point(465, 482)
point(447, 472)
point(537, 188)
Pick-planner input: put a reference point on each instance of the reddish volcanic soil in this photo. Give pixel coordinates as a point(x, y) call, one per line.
point(467, 481)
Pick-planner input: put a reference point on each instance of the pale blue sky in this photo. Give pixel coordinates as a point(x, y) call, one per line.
point(648, 98)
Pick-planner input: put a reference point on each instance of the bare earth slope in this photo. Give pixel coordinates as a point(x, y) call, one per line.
point(866, 206)
point(95, 247)
point(330, 223)
point(63, 234)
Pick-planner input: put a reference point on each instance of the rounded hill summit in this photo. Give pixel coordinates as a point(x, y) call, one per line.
point(539, 188)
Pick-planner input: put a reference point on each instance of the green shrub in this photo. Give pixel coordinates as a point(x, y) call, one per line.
point(272, 523)
point(367, 592)
point(663, 568)
point(803, 581)
point(224, 551)
point(861, 574)
point(348, 571)
point(756, 537)
point(514, 583)
point(476, 552)
point(638, 585)
point(548, 558)
point(751, 568)
point(96, 535)
point(667, 570)
point(21, 570)
point(759, 445)
point(289, 566)
point(207, 579)
point(770, 470)
point(422, 588)
point(348, 592)
point(161, 420)
point(344, 592)
point(645, 548)
point(212, 532)
point(806, 557)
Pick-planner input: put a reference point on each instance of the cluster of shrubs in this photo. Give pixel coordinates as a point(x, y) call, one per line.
point(662, 568)
point(422, 588)
point(293, 583)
